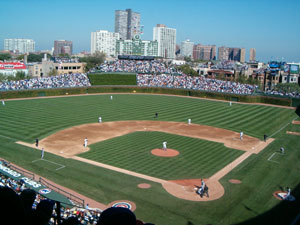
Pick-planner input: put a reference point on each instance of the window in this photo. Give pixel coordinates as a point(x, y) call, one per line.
point(66, 68)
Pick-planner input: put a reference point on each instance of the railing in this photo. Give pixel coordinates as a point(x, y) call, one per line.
point(78, 201)
point(24, 172)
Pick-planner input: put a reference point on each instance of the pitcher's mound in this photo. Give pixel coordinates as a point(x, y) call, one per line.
point(162, 153)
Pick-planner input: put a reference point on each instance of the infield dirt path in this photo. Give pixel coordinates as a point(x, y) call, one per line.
point(69, 142)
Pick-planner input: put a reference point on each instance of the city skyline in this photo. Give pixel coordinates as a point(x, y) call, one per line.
point(266, 25)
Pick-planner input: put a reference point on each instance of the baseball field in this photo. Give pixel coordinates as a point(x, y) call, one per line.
point(120, 155)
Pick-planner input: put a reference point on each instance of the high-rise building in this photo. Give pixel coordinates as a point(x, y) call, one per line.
point(186, 48)
point(243, 55)
point(63, 47)
point(234, 54)
point(19, 45)
point(223, 53)
point(104, 41)
point(252, 55)
point(127, 23)
point(204, 52)
point(137, 47)
point(166, 38)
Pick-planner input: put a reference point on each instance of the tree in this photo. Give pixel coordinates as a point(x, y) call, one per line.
point(36, 57)
point(93, 61)
point(188, 70)
point(20, 57)
point(5, 56)
point(53, 72)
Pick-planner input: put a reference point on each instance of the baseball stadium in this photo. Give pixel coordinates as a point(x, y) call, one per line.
point(243, 147)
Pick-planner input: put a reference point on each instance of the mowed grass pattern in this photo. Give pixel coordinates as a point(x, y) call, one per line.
point(197, 158)
point(26, 120)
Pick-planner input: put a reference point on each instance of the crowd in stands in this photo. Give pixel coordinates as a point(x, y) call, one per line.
point(23, 206)
point(61, 81)
point(283, 93)
point(195, 83)
point(137, 66)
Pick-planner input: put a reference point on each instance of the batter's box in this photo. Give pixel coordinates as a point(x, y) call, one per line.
point(49, 164)
point(275, 157)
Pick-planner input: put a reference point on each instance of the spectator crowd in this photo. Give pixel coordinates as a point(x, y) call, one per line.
point(61, 81)
point(137, 66)
point(195, 83)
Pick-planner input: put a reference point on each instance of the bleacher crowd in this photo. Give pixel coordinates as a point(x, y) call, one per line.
point(61, 81)
point(139, 66)
point(195, 83)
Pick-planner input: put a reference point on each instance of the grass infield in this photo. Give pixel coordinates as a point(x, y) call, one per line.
point(197, 158)
point(250, 202)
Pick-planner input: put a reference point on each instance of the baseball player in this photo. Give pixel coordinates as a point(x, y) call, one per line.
point(85, 142)
point(111, 97)
point(241, 135)
point(3, 102)
point(37, 142)
point(189, 121)
point(230, 103)
point(202, 183)
point(100, 119)
point(165, 146)
point(156, 115)
point(42, 153)
point(282, 150)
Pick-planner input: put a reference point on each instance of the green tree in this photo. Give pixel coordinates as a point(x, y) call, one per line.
point(188, 70)
point(5, 56)
point(53, 72)
point(20, 57)
point(93, 61)
point(64, 55)
point(36, 57)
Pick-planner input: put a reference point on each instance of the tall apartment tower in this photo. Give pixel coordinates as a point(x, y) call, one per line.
point(63, 47)
point(166, 38)
point(223, 53)
point(242, 55)
point(204, 52)
point(104, 41)
point(252, 55)
point(186, 48)
point(127, 23)
point(20, 45)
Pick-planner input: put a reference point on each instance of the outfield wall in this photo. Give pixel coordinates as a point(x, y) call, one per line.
point(135, 89)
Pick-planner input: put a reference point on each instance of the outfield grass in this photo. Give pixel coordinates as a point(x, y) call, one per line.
point(248, 203)
point(197, 158)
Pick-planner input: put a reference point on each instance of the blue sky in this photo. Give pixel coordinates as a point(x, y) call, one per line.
point(272, 27)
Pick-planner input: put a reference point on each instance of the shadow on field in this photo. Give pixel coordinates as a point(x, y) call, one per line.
point(282, 214)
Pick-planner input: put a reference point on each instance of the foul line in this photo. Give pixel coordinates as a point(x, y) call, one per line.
point(7, 137)
point(269, 159)
point(61, 166)
point(283, 127)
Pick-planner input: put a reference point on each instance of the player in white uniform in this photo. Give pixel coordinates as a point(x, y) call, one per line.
point(111, 97)
point(165, 146)
point(3, 102)
point(100, 119)
point(241, 135)
point(42, 153)
point(85, 142)
point(189, 121)
point(230, 103)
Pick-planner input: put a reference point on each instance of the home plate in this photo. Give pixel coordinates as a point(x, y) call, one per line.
point(61, 152)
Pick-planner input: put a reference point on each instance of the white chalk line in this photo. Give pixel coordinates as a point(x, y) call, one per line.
point(269, 159)
point(283, 127)
point(61, 166)
point(7, 137)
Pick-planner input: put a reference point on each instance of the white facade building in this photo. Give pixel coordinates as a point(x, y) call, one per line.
point(104, 41)
point(166, 38)
point(19, 45)
point(186, 48)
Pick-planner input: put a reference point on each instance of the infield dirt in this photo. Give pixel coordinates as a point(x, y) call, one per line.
point(69, 142)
